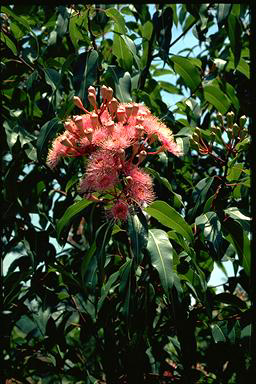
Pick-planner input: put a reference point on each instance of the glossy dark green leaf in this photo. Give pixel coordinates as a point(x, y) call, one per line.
point(138, 232)
point(125, 286)
point(106, 288)
point(119, 20)
point(102, 239)
point(189, 73)
point(234, 33)
point(52, 78)
point(211, 229)
point(161, 255)
point(122, 53)
point(169, 217)
point(47, 131)
point(218, 334)
point(200, 193)
point(10, 44)
point(86, 260)
point(122, 81)
point(65, 221)
point(223, 11)
point(214, 95)
point(177, 200)
point(90, 71)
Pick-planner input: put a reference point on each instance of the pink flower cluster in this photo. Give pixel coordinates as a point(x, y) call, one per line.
point(117, 138)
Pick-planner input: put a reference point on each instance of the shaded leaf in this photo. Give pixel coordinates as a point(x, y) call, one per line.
point(189, 73)
point(169, 217)
point(47, 131)
point(217, 98)
point(64, 223)
point(161, 254)
point(218, 334)
point(138, 232)
point(119, 20)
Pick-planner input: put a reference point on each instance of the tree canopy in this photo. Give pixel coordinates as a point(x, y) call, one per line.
point(93, 297)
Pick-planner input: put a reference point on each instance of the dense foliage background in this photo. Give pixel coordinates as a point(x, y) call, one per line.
point(151, 314)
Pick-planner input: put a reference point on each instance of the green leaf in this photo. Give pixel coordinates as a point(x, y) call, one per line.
point(161, 254)
point(122, 81)
point(89, 75)
point(169, 217)
point(146, 30)
point(132, 48)
point(47, 131)
point(242, 66)
point(102, 238)
point(125, 287)
point(106, 288)
point(234, 33)
point(199, 194)
point(232, 95)
point(86, 260)
point(214, 95)
point(10, 44)
point(122, 53)
point(228, 298)
point(223, 11)
point(169, 87)
point(74, 179)
point(211, 229)
point(239, 239)
point(64, 223)
point(52, 77)
point(218, 334)
point(177, 200)
point(189, 73)
point(138, 232)
point(237, 215)
point(118, 19)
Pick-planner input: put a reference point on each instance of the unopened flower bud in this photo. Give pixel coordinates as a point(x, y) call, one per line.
point(121, 153)
point(142, 156)
point(112, 106)
point(94, 120)
point(139, 120)
point(109, 93)
point(121, 115)
point(236, 129)
point(79, 121)
point(92, 90)
point(220, 118)
point(135, 109)
point(230, 119)
point(139, 129)
point(128, 109)
point(92, 99)
point(110, 125)
point(78, 103)
point(242, 121)
point(103, 91)
point(89, 133)
point(69, 126)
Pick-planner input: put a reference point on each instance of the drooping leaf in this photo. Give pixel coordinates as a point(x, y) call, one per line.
point(102, 238)
point(138, 232)
point(234, 33)
point(10, 44)
point(214, 95)
point(47, 131)
point(211, 229)
point(122, 83)
point(189, 73)
point(199, 194)
point(122, 52)
point(223, 11)
point(218, 334)
point(64, 223)
point(119, 20)
point(169, 217)
point(125, 287)
point(106, 288)
point(89, 75)
point(161, 254)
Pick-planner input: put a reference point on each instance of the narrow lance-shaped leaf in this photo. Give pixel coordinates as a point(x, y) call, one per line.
point(161, 252)
point(138, 231)
point(189, 73)
point(47, 131)
point(169, 217)
point(103, 235)
point(65, 221)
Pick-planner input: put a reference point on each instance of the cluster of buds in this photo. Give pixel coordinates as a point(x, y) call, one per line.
point(228, 134)
point(116, 137)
